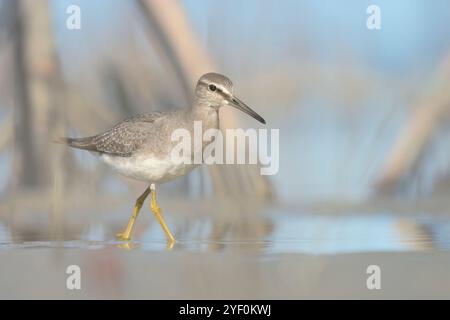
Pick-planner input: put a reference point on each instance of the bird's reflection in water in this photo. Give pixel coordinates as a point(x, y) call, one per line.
point(239, 226)
point(128, 245)
point(312, 234)
point(258, 232)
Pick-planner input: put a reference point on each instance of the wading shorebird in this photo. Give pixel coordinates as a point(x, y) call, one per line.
point(140, 147)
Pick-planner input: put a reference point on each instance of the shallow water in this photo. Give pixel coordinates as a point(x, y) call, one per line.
point(282, 233)
point(267, 256)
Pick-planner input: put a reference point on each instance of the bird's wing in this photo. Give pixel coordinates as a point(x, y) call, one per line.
point(121, 140)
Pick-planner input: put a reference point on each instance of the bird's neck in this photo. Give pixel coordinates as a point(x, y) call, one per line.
point(207, 115)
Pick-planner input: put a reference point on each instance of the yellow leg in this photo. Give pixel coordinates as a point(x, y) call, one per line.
point(126, 235)
point(157, 211)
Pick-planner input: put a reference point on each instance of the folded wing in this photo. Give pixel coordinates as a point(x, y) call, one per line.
point(122, 140)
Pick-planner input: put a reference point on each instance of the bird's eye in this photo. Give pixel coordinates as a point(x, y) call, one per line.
point(212, 87)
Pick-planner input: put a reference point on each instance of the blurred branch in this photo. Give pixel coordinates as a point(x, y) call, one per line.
point(6, 25)
point(114, 81)
point(25, 173)
point(417, 132)
point(6, 133)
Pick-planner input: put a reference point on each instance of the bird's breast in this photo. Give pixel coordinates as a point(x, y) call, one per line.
point(148, 168)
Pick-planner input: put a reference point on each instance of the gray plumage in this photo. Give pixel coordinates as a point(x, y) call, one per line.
point(140, 146)
point(122, 140)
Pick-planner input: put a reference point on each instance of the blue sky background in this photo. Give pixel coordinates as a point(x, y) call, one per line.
point(414, 32)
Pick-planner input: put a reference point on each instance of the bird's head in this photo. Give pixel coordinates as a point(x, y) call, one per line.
point(215, 90)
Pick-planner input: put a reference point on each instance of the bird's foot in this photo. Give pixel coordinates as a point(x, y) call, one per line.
point(170, 244)
point(122, 237)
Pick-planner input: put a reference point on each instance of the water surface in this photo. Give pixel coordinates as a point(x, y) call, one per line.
point(272, 234)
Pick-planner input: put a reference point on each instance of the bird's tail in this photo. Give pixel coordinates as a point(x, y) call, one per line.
point(79, 143)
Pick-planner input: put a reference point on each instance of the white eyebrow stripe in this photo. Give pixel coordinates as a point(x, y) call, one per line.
point(224, 90)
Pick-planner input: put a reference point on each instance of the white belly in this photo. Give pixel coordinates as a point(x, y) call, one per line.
point(148, 169)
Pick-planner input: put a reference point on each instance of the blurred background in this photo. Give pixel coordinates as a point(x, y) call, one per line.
point(363, 118)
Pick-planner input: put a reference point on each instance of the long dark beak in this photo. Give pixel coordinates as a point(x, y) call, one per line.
point(238, 104)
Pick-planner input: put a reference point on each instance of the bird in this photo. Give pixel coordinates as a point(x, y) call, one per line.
point(139, 147)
